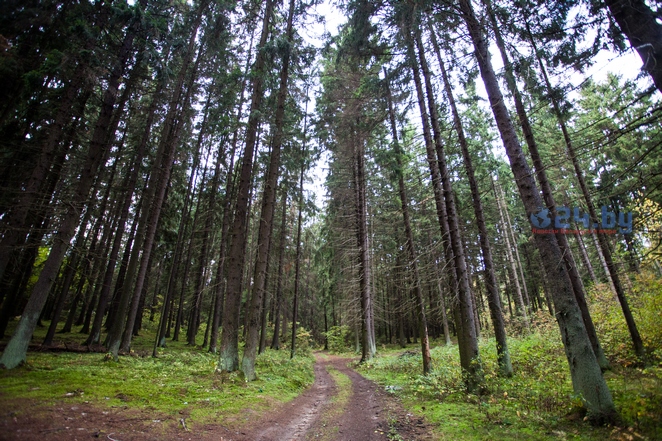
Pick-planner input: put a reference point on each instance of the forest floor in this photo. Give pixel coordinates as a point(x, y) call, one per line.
point(340, 405)
point(71, 392)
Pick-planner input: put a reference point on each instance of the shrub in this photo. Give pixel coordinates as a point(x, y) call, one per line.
point(338, 338)
point(645, 300)
point(304, 341)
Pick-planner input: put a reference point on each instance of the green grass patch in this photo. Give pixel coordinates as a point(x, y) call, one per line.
point(182, 380)
point(328, 430)
point(537, 403)
point(344, 390)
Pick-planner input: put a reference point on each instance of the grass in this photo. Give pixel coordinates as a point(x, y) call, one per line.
point(537, 403)
point(182, 380)
point(344, 384)
point(336, 407)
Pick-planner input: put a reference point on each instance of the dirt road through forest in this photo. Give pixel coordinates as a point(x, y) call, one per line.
point(341, 405)
point(356, 410)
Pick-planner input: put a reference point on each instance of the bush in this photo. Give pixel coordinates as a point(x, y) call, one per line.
point(338, 338)
point(645, 301)
point(304, 341)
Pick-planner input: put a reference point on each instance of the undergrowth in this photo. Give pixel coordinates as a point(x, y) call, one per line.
point(537, 402)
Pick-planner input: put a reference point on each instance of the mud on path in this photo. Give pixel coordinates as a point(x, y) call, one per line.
point(364, 413)
point(368, 414)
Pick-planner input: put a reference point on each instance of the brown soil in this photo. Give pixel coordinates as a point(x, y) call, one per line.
point(311, 415)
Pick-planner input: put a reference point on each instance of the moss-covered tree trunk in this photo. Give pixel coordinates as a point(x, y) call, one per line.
point(594, 220)
point(546, 188)
point(584, 369)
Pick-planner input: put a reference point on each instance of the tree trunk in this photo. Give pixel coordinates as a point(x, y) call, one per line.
point(170, 136)
point(130, 185)
point(267, 212)
point(229, 352)
point(586, 260)
point(469, 356)
point(266, 298)
point(594, 220)
point(15, 352)
point(492, 285)
point(88, 213)
point(410, 245)
point(173, 276)
point(219, 277)
point(520, 307)
point(584, 369)
point(642, 28)
point(275, 342)
point(297, 262)
point(548, 197)
point(192, 330)
point(14, 223)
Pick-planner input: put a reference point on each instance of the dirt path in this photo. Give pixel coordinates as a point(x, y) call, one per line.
point(350, 409)
point(295, 419)
point(367, 412)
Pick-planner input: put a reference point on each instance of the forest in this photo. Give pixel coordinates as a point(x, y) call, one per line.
point(337, 220)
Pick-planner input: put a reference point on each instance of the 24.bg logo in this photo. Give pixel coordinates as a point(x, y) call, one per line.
point(607, 222)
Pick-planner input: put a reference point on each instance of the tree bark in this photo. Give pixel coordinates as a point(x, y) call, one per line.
point(15, 352)
point(491, 283)
point(594, 220)
point(586, 260)
point(229, 351)
point(548, 197)
point(208, 214)
point(469, 355)
point(14, 223)
point(275, 342)
point(267, 212)
point(642, 28)
point(584, 369)
point(297, 262)
point(219, 277)
point(410, 245)
point(520, 307)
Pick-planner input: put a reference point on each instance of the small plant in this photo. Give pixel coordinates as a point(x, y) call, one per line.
point(393, 434)
point(304, 341)
point(338, 338)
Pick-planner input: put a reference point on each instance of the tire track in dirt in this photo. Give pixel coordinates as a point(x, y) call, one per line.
point(365, 417)
point(293, 421)
point(312, 415)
